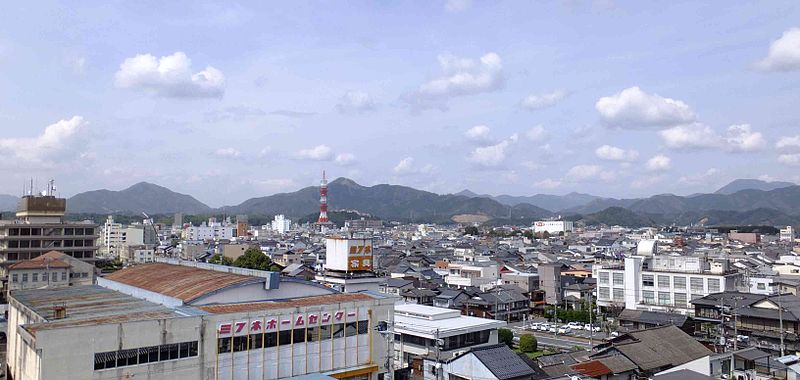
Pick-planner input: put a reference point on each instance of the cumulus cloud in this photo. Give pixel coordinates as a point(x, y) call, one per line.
point(227, 153)
point(792, 159)
point(537, 134)
point(317, 153)
point(690, 136)
point(491, 155)
point(784, 53)
point(547, 183)
point(788, 142)
point(580, 173)
point(407, 166)
point(479, 134)
point(634, 108)
point(612, 153)
point(455, 6)
point(537, 102)
point(169, 76)
point(460, 77)
point(355, 102)
point(659, 163)
point(60, 142)
point(345, 159)
point(741, 138)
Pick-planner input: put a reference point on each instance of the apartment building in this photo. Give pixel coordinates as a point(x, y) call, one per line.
point(463, 275)
point(662, 283)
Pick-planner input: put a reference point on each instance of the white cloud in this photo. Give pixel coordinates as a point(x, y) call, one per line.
point(647, 181)
point(537, 133)
point(788, 142)
point(790, 159)
point(492, 155)
point(537, 102)
point(354, 102)
point(274, 184)
point(699, 179)
point(741, 138)
point(691, 136)
point(460, 77)
point(633, 108)
point(784, 53)
point(455, 6)
point(479, 134)
point(345, 159)
point(169, 76)
point(547, 183)
point(317, 153)
point(612, 153)
point(227, 153)
point(580, 173)
point(531, 165)
point(58, 144)
point(659, 163)
point(406, 166)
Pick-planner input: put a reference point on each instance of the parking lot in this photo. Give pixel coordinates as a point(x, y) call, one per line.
point(563, 329)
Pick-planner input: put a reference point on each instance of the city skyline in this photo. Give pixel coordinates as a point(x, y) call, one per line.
point(228, 102)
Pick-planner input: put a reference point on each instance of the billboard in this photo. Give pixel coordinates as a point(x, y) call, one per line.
point(349, 254)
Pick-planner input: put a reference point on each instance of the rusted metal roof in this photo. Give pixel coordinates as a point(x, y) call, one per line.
point(327, 299)
point(592, 368)
point(177, 281)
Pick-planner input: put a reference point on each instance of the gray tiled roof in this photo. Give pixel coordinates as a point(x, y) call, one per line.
point(502, 362)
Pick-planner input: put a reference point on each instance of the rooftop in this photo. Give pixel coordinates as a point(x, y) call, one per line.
point(434, 321)
point(328, 299)
point(52, 259)
point(177, 281)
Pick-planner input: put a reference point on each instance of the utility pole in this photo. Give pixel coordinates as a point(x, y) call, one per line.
point(735, 327)
point(780, 321)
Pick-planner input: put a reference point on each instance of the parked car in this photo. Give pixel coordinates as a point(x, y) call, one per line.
point(553, 329)
point(534, 326)
point(614, 334)
point(564, 329)
point(587, 327)
point(544, 327)
point(575, 326)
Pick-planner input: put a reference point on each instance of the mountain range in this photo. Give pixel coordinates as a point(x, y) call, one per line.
point(741, 201)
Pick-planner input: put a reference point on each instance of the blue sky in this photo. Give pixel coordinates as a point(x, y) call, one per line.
point(227, 101)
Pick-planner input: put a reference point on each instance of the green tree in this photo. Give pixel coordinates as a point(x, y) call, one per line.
point(471, 230)
point(221, 260)
point(253, 258)
point(528, 343)
point(506, 336)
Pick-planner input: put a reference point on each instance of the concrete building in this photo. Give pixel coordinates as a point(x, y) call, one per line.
point(745, 237)
point(662, 283)
point(280, 224)
point(363, 224)
point(164, 321)
point(426, 332)
point(211, 230)
point(472, 274)
point(116, 238)
point(40, 228)
point(553, 227)
point(787, 234)
point(349, 265)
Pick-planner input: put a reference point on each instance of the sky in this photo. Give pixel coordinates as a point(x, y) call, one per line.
point(227, 101)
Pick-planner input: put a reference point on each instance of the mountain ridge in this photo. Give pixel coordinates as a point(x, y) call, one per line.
point(140, 197)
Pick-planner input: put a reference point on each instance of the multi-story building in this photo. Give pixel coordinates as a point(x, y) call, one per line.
point(53, 269)
point(662, 283)
point(212, 230)
point(40, 228)
point(363, 224)
point(464, 275)
point(553, 226)
point(116, 238)
point(280, 224)
point(505, 303)
point(164, 321)
point(787, 234)
point(426, 332)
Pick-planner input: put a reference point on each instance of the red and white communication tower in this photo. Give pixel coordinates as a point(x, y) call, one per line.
point(323, 201)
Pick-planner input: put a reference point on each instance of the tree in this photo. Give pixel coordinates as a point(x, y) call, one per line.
point(528, 343)
point(253, 258)
point(221, 260)
point(471, 230)
point(506, 336)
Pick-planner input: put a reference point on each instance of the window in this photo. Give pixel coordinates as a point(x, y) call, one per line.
point(24, 277)
point(663, 282)
point(648, 297)
point(647, 280)
point(14, 277)
point(285, 337)
point(619, 278)
point(713, 285)
point(151, 354)
point(45, 277)
point(679, 282)
point(54, 276)
point(338, 330)
point(761, 286)
point(619, 294)
point(36, 277)
point(64, 276)
point(680, 299)
point(603, 293)
point(663, 298)
point(603, 278)
point(696, 284)
point(350, 329)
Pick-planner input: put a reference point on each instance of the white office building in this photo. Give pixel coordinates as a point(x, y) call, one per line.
point(553, 226)
point(473, 274)
point(787, 234)
point(662, 283)
point(280, 224)
point(212, 230)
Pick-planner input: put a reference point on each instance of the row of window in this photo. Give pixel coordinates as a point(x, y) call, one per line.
point(144, 355)
point(50, 243)
point(695, 283)
point(665, 298)
point(45, 276)
point(26, 231)
point(14, 256)
point(282, 338)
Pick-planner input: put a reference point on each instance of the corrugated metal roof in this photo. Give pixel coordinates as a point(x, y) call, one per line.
point(327, 299)
point(592, 368)
point(177, 281)
point(52, 259)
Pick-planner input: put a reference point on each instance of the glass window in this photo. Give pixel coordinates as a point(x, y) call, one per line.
point(363, 327)
point(338, 330)
point(285, 337)
point(14, 277)
point(648, 297)
point(713, 285)
point(664, 298)
point(299, 335)
point(680, 299)
point(24, 277)
point(603, 278)
point(696, 284)
point(647, 280)
point(45, 276)
point(312, 334)
point(619, 278)
point(603, 293)
point(663, 281)
point(619, 294)
point(64, 276)
point(679, 282)
point(256, 341)
point(36, 277)
point(270, 339)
